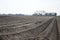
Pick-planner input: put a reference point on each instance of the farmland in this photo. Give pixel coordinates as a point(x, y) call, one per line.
point(58, 21)
point(28, 28)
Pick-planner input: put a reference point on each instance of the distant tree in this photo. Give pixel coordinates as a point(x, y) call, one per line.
point(35, 14)
point(55, 14)
point(43, 13)
point(50, 14)
point(40, 14)
point(19, 14)
point(46, 14)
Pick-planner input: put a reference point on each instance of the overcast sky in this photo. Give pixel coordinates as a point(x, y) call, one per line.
point(29, 6)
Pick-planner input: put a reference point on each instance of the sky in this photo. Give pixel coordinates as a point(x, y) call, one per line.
point(28, 6)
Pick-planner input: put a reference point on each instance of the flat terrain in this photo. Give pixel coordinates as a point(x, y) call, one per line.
point(58, 21)
point(28, 28)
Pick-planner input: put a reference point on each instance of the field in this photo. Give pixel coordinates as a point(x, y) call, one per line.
point(28, 28)
point(58, 21)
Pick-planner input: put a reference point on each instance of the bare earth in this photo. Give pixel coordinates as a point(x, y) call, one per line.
point(58, 21)
point(29, 28)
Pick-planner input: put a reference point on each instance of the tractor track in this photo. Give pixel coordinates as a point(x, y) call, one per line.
point(46, 30)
